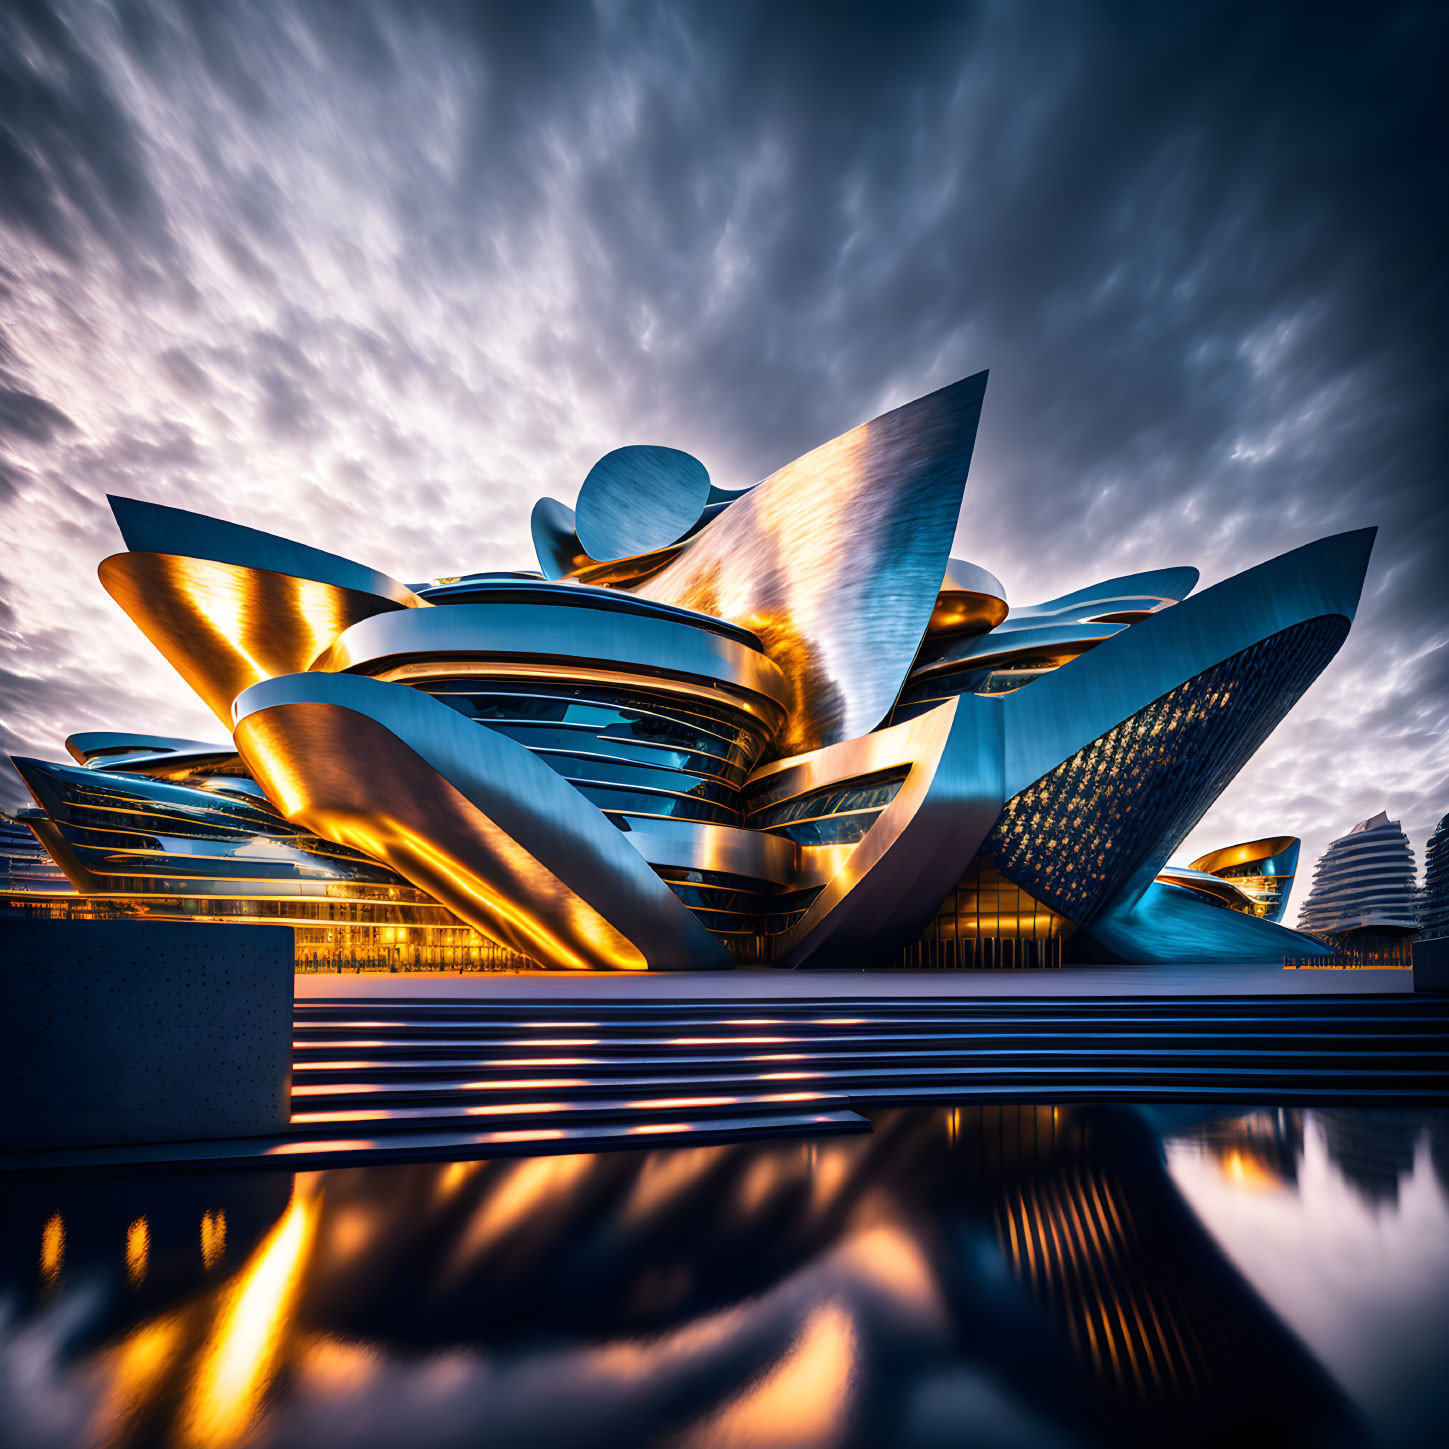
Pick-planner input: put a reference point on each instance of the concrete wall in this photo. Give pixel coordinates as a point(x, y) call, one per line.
point(134, 1031)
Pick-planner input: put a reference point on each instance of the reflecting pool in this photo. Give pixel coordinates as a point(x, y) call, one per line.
point(996, 1276)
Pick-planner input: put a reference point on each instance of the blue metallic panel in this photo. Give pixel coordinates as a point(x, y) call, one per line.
point(1171, 926)
point(639, 498)
point(154, 528)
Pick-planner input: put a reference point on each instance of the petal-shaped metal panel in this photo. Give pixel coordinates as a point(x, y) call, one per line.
point(229, 606)
point(224, 626)
point(467, 815)
point(1112, 759)
point(554, 539)
point(638, 499)
point(836, 560)
point(154, 528)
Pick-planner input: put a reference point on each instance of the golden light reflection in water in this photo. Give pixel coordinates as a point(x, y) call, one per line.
point(137, 1367)
point(892, 1259)
point(241, 1355)
point(52, 1249)
point(664, 1176)
point(525, 1188)
point(138, 1251)
point(1246, 1171)
point(804, 1401)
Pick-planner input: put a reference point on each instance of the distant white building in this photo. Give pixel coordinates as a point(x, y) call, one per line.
point(1364, 883)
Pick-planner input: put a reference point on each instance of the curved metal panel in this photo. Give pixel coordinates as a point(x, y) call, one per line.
point(555, 540)
point(1083, 700)
point(639, 498)
point(836, 560)
point(970, 600)
point(91, 745)
point(1221, 891)
point(225, 626)
point(880, 894)
point(1172, 926)
point(1155, 722)
point(587, 639)
point(468, 816)
point(154, 528)
point(1273, 855)
point(1001, 645)
point(1147, 591)
point(118, 833)
point(696, 845)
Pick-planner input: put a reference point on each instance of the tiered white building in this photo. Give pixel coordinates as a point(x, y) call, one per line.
point(1364, 882)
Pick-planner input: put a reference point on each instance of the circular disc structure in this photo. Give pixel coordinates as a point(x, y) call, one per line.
point(639, 498)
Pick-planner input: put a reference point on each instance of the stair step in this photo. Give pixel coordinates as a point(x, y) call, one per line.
point(699, 1106)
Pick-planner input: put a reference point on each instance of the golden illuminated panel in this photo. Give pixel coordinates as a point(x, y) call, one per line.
point(836, 560)
point(621, 572)
point(1248, 853)
point(970, 601)
point(224, 627)
point(468, 816)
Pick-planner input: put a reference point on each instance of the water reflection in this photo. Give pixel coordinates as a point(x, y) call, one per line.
point(1012, 1275)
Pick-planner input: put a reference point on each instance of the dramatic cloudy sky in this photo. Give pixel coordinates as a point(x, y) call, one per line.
point(375, 276)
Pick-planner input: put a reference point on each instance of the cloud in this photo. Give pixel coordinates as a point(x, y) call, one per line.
point(376, 276)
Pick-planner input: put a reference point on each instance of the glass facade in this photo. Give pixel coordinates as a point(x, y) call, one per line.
point(838, 815)
point(1079, 835)
point(989, 923)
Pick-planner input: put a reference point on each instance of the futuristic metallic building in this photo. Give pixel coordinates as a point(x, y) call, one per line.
point(1255, 877)
point(1433, 912)
point(1363, 884)
point(779, 724)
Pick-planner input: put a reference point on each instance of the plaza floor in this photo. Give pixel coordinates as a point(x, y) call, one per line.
point(766, 985)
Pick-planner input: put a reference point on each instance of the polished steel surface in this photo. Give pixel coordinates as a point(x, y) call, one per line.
point(120, 834)
point(1082, 700)
point(153, 528)
point(836, 560)
point(727, 849)
point(881, 893)
point(1273, 855)
point(587, 636)
point(468, 816)
point(1168, 925)
point(225, 626)
point(554, 539)
point(1128, 593)
point(684, 633)
point(971, 600)
point(1223, 892)
point(639, 498)
point(94, 746)
point(1070, 639)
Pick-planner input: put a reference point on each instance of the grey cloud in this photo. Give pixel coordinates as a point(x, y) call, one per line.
point(30, 417)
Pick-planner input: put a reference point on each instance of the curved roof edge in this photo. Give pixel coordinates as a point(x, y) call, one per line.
point(156, 528)
point(88, 745)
